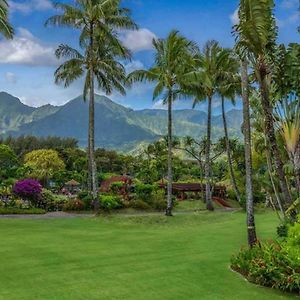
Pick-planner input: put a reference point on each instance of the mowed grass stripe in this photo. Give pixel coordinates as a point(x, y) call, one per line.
point(185, 257)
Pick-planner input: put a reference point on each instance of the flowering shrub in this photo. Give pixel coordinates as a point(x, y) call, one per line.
point(28, 188)
point(273, 264)
point(268, 264)
point(74, 205)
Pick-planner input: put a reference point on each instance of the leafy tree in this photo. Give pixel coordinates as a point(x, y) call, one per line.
point(173, 58)
point(256, 37)
point(8, 161)
point(24, 144)
point(43, 164)
point(229, 87)
point(98, 59)
point(205, 80)
point(5, 28)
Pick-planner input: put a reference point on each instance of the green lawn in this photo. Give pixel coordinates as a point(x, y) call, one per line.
point(184, 257)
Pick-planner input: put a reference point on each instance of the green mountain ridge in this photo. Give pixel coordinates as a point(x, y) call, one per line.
point(116, 126)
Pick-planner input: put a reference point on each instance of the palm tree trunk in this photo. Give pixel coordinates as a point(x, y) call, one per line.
point(170, 175)
point(208, 198)
point(92, 163)
point(270, 171)
point(269, 129)
point(252, 239)
point(228, 150)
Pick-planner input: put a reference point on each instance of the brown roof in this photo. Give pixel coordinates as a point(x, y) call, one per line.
point(72, 183)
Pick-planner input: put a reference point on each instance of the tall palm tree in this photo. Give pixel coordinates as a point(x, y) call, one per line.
point(229, 87)
point(173, 58)
point(205, 80)
point(5, 28)
point(251, 230)
point(97, 21)
point(256, 36)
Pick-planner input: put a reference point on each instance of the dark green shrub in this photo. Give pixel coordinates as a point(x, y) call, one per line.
point(282, 230)
point(140, 205)
point(110, 202)
point(145, 192)
point(116, 187)
point(51, 201)
point(159, 201)
point(74, 205)
point(87, 199)
point(82, 194)
point(159, 204)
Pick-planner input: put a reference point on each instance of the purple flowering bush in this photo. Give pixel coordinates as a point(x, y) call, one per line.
point(28, 188)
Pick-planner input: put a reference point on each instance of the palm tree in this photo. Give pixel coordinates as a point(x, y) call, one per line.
point(101, 51)
point(5, 28)
point(173, 59)
point(205, 81)
point(256, 37)
point(229, 87)
point(251, 230)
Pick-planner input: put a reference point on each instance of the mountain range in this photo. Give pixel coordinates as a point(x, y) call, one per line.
point(116, 126)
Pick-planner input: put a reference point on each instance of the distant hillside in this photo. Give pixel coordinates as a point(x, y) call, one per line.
point(115, 125)
point(13, 113)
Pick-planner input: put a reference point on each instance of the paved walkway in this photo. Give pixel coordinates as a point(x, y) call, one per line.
point(63, 215)
point(50, 215)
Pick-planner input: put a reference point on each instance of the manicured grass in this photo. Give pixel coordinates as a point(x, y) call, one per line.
point(118, 257)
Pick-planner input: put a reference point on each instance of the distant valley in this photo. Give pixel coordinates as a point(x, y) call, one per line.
point(116, 126)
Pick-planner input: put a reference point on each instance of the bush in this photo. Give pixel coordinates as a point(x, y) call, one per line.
point(28, 188)
point(292, 245)
point(159, 200)
point(74, 205)
point(110, 202)
point(145, 192)
point(140, 205)
point(116, 187)
point(51, 201)
point(22, 211)
point(272, 264)
point(87, 199)
point(282, 230)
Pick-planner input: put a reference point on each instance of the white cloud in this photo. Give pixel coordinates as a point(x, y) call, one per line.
point(234, 18)
point(159, 105)
point(25, 49)
point(33, 101)
point(10, 77)
point(27, 7)
point(138, 40)
point(134, 65)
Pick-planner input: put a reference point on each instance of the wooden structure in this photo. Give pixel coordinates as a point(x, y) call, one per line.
point(180, 190)
point(106, 184)
point(72, 186)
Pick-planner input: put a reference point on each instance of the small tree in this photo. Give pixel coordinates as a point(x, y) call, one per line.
point(8, 161)
point(43, 164)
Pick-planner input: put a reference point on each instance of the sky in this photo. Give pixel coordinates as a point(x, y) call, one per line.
point(27, 63)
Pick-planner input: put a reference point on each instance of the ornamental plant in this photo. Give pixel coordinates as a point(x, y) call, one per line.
point(28, 188)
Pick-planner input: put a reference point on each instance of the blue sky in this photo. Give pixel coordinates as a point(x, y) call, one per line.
point(27, 63)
